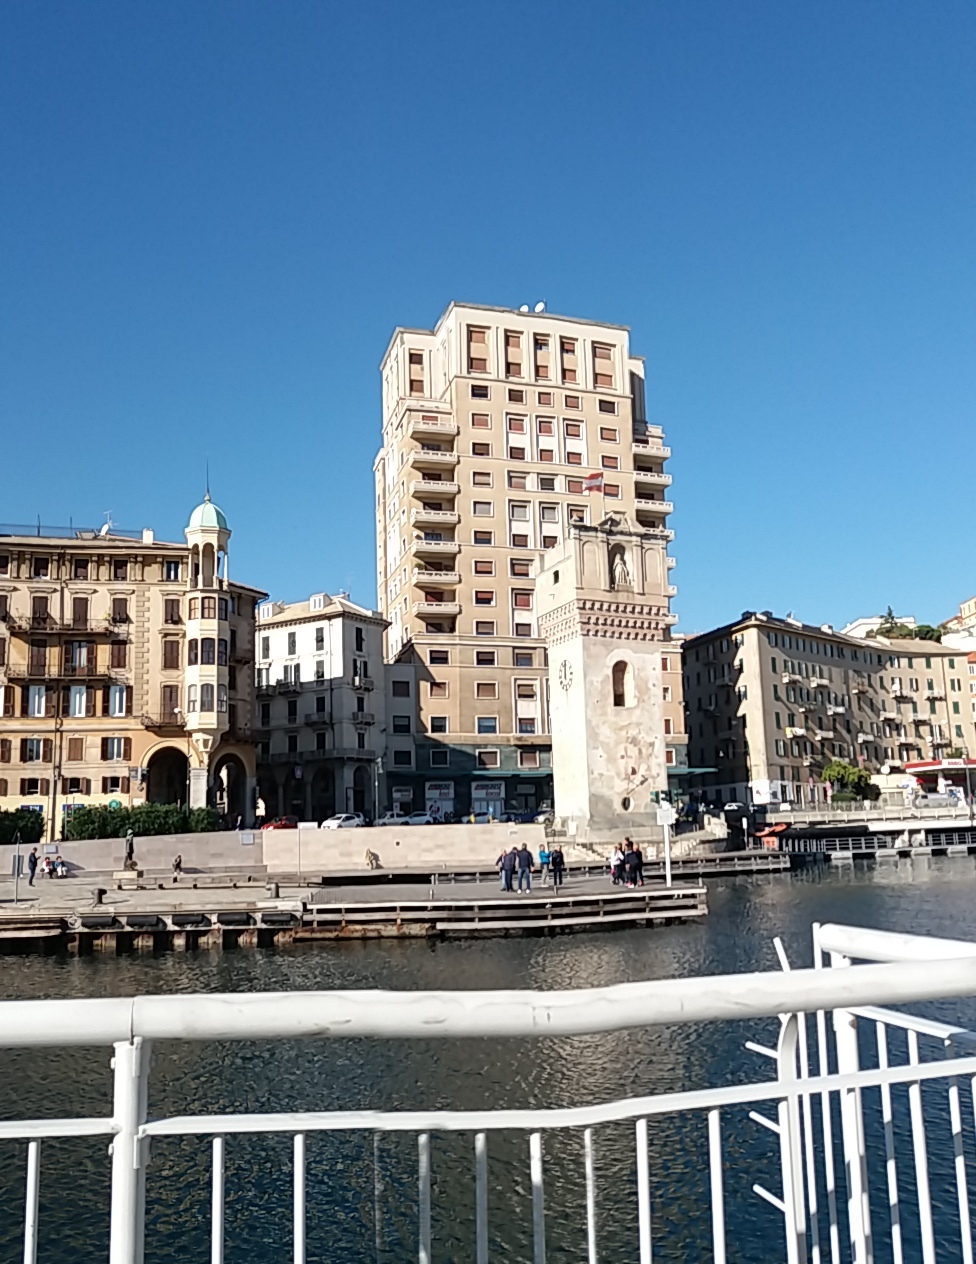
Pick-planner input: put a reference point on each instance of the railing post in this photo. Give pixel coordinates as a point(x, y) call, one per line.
point(791, 1161)
point(852, 1131)
point(129, 1154)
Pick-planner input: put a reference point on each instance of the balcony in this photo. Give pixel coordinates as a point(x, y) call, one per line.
point(425, 577)
point(655, 478)
point(865, 737)
point(934, 695)
point(436, 609)
point(793, 732)
point(658, 450)
point(823, 735)
point(426, 458)
point(362, 682)
point(428, 489)
point(362, 717)
point(791, 678)
point(436, 548)
point(64, 671)
point(644, 504)
point(670, 590)
point(440, 426)
point(434, 517)
point(671, 563)
point(169, 721)
point(836, 709)
point(318, 719)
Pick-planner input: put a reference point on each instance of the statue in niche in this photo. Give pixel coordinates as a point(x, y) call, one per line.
point(619, 574)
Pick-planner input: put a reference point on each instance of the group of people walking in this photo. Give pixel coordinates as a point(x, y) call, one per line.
point(627, 864)
point(519, 861)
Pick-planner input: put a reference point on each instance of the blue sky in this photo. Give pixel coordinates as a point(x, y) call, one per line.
point(212, 216)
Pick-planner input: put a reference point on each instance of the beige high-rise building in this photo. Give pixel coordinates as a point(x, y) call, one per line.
point(126, 671)
point(494, 424)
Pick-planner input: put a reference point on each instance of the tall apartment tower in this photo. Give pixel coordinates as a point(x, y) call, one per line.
point(492, 423)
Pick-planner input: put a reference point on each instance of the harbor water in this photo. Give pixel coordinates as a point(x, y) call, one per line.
point(362, 1197)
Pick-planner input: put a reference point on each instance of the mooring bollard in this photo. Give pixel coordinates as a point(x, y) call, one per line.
point(98, 895)
point(273, 890)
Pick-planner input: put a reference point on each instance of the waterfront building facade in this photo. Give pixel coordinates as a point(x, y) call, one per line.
point(771, 701)
point(320, 715)
point(126, 670)
point(501, 430)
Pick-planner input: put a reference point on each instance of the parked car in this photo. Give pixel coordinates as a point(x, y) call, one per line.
point(282, 822)
point(419, 818)
point(344, 820)
point(391, 818)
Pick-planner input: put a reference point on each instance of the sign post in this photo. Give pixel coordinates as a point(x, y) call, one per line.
point(665, 818)
point(17, 867)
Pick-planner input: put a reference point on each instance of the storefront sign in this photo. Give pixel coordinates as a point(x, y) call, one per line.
point(439, 790)
point(491, 791)
point(402, 794)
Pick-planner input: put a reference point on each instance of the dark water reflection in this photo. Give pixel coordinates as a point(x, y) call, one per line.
point(938, 898)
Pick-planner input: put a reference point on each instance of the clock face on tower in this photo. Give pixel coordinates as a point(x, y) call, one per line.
point(565, 674)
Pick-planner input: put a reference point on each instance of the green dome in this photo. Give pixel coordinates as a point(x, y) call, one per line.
point(207, 515)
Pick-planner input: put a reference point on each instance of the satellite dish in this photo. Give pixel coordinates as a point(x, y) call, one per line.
point(105, 529)
point(540, 307)
point(524, 307)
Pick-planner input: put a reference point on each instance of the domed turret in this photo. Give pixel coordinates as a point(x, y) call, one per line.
point(208, 515)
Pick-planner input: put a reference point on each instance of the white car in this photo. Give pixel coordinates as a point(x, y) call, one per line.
point(392, 818)
point(419, 818)
point(344, 820)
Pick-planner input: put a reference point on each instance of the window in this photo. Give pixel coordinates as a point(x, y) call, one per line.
point(119, 655)
point(481, 421)
point(117, 700)
point(171, 572)
point(518, 481)
point(320, 669)
point(576, 513)
point(574, 486)
point(521, 568)
point(171, 610)
point(76, 749)
point(485, 658)
point(36, 700)
point(607, 405)
point(77, 701)
point(265, 646)
point(522, 599)
point(518, 511)
point(481, 449)
point(526, 725)
point(516, 396)
point(222, 652)
point(668, 725)
point(116, 748)
point(574, 458)
point(484, 627)
point(519, 541)
point(191, 698)
point(610, 462)
point(483, 537)
point(440, 758)
point(223, 608)
point(516, 453)
point(482, 567)
point(208, 608)
point(484, 597)
point(547, 483)
point(438, 658)
point(486, 724)
point(480, 478)
point(478, 392)
point(79, 570)
point(528, 759)
point(401, 688)
point(120, 610)
point(401, 724)
point(522, 629)
point(525, 689)
point(487, 758)
point(292, 741)
point(206, 697)
point(402, 759)
point(486, 689)
point(544, 399)
point(573, 429)
point(609, 434)
point(207, 653)
point(524, 658)
point(194, 610)
point(292, 643)
point(120, 568)
point(438, 724)
point(320, 639)
point(482, 508)
point(623, 684)
point(572, 401)
point(612, 490)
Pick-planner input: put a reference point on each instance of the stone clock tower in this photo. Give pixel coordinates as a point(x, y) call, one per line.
point(604, 611)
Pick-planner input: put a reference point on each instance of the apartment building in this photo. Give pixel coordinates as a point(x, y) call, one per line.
point(126, 670)
point(501, 429)
point(321, 716)
point(770, 701)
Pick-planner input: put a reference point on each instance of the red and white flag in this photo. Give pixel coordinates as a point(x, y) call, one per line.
point(593, 483)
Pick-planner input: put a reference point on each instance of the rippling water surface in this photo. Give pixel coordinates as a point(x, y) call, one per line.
point(934, 898)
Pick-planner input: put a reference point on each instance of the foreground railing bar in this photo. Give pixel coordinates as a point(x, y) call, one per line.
point(959, 1160)
point(48, 1129)
point(763, 1122)
point(907, 1022)
point(31, 1201)
point(926, 1227)
point(217, 1202)
point(891, 1166)
point(298, 1200)
point(408, 1015)
point(591, 1255)
point(481, 1197)
point(423, 1212)
point(538, 1199)
point(862, 943)
point(717, 1186)
point(569, 1117)
point(823, 1065)
point(643, 1192)
point(770, 1198)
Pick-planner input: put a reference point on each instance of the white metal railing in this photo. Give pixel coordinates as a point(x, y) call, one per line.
point(815, 1099)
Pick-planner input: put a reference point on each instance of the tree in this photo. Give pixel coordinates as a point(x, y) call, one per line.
point(890, 627)
point(844, 777)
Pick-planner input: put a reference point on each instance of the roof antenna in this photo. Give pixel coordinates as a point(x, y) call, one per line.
point(207, 497)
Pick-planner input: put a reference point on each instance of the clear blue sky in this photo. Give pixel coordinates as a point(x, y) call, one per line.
point(214, 214)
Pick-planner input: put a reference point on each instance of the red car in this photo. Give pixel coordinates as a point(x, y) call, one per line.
point(282, 822)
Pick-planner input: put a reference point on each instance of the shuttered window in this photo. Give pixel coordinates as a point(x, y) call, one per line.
point(171, 652)
point(76, 749)
point(119, 654)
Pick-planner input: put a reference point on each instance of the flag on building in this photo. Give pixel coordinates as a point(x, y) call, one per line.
point(593, 483)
